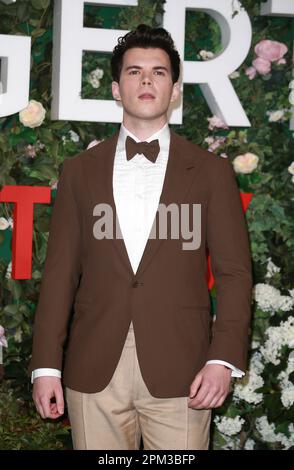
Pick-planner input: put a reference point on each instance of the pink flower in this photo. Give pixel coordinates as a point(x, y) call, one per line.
point(262, 66)
point(94, 142)
point(3, 340)
point(251, 72)
point(267, 51)
point(217, 122)
point(215, 143)
point(272, 51)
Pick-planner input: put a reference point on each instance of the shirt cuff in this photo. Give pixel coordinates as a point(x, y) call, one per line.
point(235, 372)
point(45, 372)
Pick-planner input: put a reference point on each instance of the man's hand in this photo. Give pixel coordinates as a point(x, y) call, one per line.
point(44, 389)
point(210, 387)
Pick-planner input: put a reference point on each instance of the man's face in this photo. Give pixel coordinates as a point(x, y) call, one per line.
point(145, 87)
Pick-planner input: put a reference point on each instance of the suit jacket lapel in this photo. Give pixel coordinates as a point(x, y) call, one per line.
point(180, 172)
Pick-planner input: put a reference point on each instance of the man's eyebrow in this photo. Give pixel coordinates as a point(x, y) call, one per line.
point(157, 67)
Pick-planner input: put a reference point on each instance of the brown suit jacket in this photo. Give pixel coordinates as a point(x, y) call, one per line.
point(167, 299)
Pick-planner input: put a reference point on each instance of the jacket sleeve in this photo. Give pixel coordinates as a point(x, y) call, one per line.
point(60, 277)
point(228, 244)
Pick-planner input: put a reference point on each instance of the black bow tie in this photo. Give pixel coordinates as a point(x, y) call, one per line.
point(149, 149)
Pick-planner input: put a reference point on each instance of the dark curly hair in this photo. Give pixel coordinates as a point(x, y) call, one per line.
point(146, 37)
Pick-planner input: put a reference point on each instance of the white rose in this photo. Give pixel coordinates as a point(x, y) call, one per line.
point(291, 168)
point(291, 98)
point(94, 77)
point(275, 116)
point(245, 163)
point(206, 55)
point(234, 75)
point(74, 136)
point(33, 115)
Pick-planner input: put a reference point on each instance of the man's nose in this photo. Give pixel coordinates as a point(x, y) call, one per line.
point(146, 79)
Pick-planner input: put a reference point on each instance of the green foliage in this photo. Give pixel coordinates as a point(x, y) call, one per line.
point(22, 429)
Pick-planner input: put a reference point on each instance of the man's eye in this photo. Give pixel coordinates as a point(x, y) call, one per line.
point(133, 72)
point(159, 72)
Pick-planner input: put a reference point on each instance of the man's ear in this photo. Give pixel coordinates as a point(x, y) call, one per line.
point(176, 92)
point(115, 91)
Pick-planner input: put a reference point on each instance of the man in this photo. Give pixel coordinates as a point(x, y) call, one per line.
point(141, 359)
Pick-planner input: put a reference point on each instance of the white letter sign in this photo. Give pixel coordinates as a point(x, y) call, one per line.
point(213, 75)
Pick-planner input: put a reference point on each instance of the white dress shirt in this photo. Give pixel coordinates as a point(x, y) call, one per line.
point(137, 186)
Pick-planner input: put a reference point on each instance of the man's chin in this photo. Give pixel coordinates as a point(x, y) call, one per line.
point(150, 115)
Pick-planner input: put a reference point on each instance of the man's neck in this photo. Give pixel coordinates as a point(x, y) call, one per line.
point(143, 129)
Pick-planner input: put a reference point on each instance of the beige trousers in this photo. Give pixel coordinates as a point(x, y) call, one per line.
point(124, 411)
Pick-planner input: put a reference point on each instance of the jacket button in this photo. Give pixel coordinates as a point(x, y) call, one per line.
point(137, 283)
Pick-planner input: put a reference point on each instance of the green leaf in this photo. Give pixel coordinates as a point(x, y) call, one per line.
point(42, 172)
point(10, 309)
point(36, 33)
point(40, 4)
point(15, 288)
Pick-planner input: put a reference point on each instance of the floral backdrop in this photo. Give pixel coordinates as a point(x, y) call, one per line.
point(259, 412)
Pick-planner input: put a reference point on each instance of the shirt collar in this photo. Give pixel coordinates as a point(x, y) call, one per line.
point(163, 135)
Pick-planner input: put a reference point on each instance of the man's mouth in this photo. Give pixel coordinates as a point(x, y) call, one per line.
point(146, 96)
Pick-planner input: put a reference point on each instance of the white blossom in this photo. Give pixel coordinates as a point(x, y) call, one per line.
point(288, 442)
point(267, 430)
point(271, 268)
point(245, 388)
point(74, 136)
point(206, 55)
point(284, 374)
point(270, 300)
point(268, 434)
point(275, 116)
point(94, 77)
point(278, 336)
point(229, 426)
point(249, 444)
point(8, 271)
point(234, 75)
point(287, 396)
point(4, 224)
point(291, 168)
